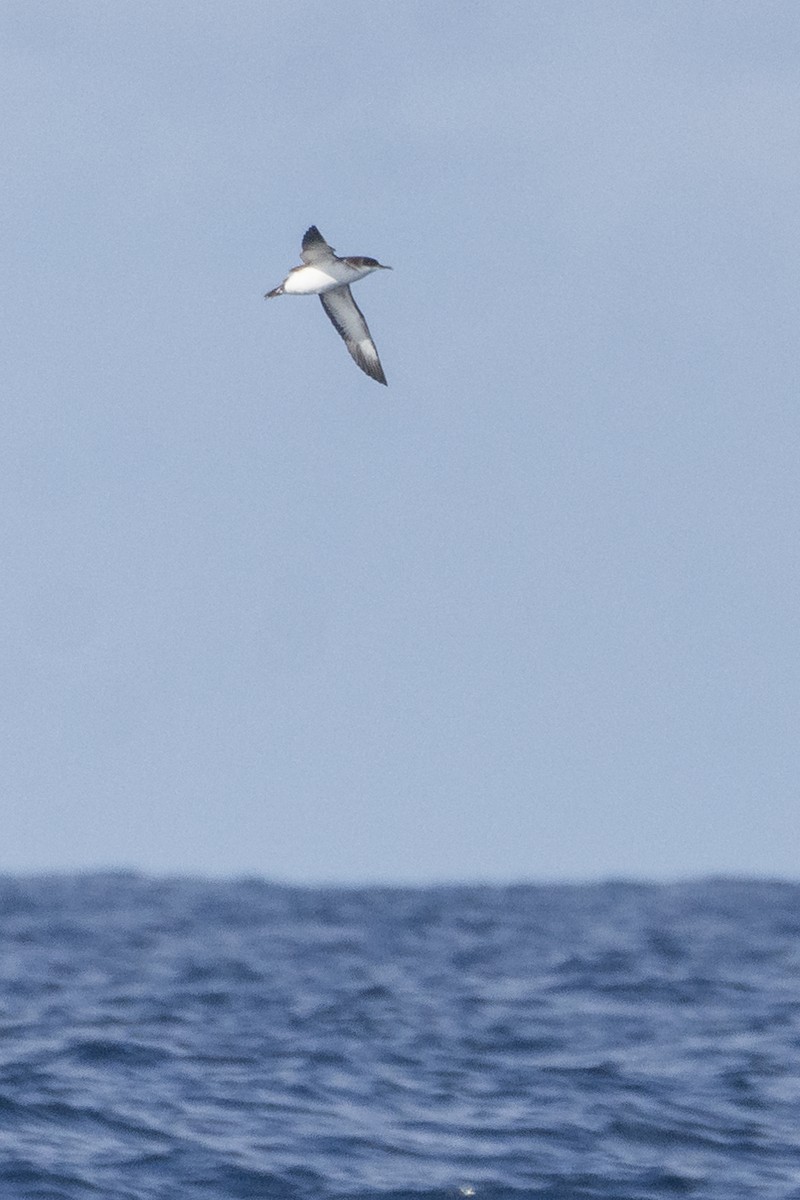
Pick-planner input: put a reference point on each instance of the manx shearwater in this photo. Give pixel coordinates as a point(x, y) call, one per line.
point(323, 274)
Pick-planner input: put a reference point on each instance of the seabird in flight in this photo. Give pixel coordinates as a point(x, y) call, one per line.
point(329, 277)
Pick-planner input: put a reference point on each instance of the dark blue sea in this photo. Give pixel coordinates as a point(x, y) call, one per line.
point(190, 1040)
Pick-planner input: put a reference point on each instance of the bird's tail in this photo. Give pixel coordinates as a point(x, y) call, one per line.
point(278, 291)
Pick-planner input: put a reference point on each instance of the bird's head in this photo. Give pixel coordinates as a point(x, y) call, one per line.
point(369, 264)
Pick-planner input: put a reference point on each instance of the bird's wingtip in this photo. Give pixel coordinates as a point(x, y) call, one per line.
point(312, 234)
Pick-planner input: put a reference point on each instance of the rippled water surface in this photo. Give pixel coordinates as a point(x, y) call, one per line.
point(193, 1039)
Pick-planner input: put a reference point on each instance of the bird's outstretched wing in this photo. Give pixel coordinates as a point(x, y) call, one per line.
point(315, 248)
point(348, 320)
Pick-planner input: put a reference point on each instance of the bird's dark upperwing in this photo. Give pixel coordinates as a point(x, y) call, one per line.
point(315, 248)
point(348, 320)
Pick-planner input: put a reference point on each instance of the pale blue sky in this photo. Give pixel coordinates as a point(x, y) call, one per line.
point(532, 611)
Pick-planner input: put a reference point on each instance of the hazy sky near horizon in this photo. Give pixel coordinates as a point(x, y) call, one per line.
point(530, 612)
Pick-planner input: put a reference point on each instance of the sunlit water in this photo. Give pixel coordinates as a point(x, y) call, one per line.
point(238, 1039)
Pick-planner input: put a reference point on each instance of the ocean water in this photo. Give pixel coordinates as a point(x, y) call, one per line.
point(191, 1039)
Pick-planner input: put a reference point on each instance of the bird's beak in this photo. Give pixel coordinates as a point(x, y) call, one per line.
point(385, 268)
